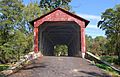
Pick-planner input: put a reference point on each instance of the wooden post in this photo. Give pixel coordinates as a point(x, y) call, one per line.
point(36, 40)
point(83, 47)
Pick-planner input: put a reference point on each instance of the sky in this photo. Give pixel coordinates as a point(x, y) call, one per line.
point(92, 11)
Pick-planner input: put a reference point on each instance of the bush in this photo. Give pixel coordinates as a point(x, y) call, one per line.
point(61, 50)
point(3, 67)
point(19, 45)
point(108, 70)
point(110, 59)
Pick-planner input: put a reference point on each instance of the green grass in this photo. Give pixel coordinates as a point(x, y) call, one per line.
point(3, 67)
point(108, 70)
point(110, 59)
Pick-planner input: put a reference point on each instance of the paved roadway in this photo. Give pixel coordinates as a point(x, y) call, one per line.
point(51, 66)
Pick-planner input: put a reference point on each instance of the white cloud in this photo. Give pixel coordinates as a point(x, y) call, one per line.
point(92, 26)
point(91, 17)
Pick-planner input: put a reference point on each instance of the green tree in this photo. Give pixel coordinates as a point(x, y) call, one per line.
point(99, 45)
point(48, 5)
point(89, 42)
point(31, 12)
point(10, 16)
point(96, 45)
point(61, 50)
point(16, 34)
point(111, 24)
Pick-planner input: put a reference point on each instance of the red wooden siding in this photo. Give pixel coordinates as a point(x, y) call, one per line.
point(60, 15)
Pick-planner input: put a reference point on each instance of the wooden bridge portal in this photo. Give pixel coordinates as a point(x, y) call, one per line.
point(60, 27)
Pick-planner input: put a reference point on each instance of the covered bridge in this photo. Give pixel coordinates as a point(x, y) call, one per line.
point(60, 27)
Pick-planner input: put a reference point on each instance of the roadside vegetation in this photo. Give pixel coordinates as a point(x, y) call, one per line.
point(3, 67)
point(99, 47)
point(107, 48)
point(108, 70)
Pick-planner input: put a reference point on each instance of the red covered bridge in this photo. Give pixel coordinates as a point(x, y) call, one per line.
point(60, 27)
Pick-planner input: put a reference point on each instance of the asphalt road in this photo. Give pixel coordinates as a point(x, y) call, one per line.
point(50, 66)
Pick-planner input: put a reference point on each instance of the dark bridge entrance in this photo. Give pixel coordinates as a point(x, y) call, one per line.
point(59, 33)
point(60, 27)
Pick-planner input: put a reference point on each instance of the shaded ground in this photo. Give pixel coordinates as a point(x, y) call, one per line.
point(60, 67)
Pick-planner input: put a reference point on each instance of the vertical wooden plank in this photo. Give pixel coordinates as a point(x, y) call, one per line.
point(36, 40)
point(83, 47)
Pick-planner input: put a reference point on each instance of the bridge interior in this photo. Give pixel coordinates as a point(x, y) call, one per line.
point(52, 33)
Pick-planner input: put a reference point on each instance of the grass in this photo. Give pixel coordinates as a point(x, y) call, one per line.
point(110, 59)
point(108, 70)
point(3, 67)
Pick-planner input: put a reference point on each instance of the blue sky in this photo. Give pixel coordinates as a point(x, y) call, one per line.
point(90, 10)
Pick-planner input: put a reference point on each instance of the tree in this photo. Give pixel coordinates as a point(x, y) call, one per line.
point(16, 34)
point(48, 5)
point(61, 50)
point(96, 45)
point(10, 16)
point(31, 12)
point(99, 44)
point(111, 24)
point(89, 42)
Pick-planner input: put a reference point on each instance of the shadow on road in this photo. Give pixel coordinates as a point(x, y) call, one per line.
point(34, 66)
point(93, 74)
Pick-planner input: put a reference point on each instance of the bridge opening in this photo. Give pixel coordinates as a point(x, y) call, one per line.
point(61, 50)
point(53, 33)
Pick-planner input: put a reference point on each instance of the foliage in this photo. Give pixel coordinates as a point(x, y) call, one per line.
point(3, 67)
point(108, 70)
point(48, 5)
point(110, 59)
point(16, 37)
point(100, 46)
point(111, 24)
point(104, 66)
point(10, 12)
point(109, 46)
point(89, 42)
point(97, 45)
point(61, 50)
point(10, 16)
point(31, 12)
